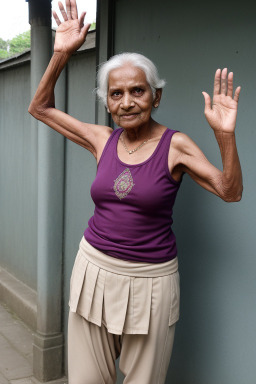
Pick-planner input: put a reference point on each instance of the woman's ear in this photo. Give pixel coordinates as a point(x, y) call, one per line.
point(157, 98)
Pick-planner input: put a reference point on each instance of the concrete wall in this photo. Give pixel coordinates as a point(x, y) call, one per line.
point(216, 338)
point(18, 177)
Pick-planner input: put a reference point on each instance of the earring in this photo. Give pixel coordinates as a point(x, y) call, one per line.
point(108, 110)
point(156, 105)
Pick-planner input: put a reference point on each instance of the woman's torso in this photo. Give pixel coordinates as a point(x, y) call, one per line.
point(133, 204)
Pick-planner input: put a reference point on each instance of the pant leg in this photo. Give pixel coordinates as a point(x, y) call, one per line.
point(144, 359)
point(92, 352)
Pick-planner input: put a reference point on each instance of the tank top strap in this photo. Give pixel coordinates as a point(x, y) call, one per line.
point(111, 143)
point(163, 153)
point(165, 141)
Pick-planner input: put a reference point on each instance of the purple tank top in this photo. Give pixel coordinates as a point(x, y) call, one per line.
point(133, 205)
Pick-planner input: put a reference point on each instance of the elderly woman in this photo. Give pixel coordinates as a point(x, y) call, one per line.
point(124, 296)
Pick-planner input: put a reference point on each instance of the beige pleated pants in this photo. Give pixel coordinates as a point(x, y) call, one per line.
point(121, 308)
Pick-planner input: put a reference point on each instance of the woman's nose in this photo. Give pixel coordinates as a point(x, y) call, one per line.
point(127, 101)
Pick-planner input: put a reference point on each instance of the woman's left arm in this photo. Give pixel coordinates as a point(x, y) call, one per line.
point(221, 114)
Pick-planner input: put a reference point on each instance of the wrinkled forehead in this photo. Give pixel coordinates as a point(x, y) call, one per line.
point(127, 75)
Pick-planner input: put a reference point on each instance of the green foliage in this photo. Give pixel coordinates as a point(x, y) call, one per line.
point(20, 43)
point(3, 44)
point(14, 46)
point(4, 54)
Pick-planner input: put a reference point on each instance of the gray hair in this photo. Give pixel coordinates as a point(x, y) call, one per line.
point(117, 61)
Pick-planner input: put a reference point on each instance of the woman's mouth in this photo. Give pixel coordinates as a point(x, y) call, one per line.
point(129, 116)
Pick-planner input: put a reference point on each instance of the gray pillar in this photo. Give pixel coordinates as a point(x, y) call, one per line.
point(104, 48)
point(48, 340)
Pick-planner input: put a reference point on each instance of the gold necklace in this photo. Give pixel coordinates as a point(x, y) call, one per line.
point(135, 149)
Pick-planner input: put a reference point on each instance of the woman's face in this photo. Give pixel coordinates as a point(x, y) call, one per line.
point(130, 98)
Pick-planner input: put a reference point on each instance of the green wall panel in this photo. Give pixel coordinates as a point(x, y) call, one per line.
point(18, 177)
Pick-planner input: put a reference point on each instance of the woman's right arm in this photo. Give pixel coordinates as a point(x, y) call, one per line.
point(70, 35)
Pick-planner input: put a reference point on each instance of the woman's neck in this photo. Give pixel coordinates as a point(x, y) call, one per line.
point(142, 133)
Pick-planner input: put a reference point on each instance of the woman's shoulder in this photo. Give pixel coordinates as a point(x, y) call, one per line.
point(184, 147)
point(181, 142)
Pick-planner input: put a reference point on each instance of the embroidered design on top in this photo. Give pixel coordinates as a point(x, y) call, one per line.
point(123, 184)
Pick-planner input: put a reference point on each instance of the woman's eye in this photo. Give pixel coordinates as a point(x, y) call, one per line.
point(116, 93)
point(138, 91)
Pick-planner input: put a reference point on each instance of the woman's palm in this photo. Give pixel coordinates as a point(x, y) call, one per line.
point(222, 112)
point(71, 33)
point(69, 36)
point(222, 115)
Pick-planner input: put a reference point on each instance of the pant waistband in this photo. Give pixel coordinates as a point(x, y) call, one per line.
point(124, 267)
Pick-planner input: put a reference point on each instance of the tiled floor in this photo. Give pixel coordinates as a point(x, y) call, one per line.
point(15, 349)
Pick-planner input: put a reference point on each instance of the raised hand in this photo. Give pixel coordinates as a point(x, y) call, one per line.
point(222, 111)
point(71, 33)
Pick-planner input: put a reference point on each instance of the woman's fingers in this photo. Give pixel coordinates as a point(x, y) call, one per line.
point(237, 93)
point(56, 17)
point(230, 84)
point(207, 101)
point(85, 30)
point(81, 20)
point(216, 88)
point(224, 81)
point(223, 84)
point(62, 10)
point(74, 13)
point(68, 8)
point(71, 11)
